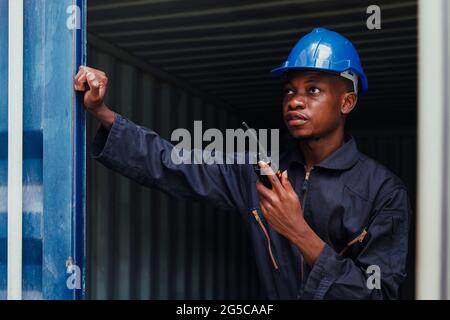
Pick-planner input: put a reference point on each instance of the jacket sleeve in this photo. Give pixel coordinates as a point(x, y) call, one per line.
point(337, 277)
point(143, 156)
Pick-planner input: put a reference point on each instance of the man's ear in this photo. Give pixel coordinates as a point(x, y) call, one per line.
point(348, 102)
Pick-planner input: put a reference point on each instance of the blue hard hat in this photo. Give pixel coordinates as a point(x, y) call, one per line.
point(326, 50)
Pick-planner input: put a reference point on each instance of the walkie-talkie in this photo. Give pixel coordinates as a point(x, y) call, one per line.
point(261, 155)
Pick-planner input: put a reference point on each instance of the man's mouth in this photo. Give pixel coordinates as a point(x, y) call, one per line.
point(295, 118)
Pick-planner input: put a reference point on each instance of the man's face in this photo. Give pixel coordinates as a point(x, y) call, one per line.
point(312, 103)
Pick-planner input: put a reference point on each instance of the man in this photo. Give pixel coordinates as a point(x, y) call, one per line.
point(334, 225)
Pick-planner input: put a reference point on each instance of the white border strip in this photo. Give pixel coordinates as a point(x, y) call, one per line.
point(15, 145)
point(446, 147)
point(430, 151)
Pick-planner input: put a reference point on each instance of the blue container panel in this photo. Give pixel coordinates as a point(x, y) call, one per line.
point(53, 150)
point(34, 99)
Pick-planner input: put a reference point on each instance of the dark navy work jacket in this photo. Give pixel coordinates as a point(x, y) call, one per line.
point(355, 205)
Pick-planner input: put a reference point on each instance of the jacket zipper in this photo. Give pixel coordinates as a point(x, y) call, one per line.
point(359, 238)
point(269, 245)
point(305, 187)
point(305, 183)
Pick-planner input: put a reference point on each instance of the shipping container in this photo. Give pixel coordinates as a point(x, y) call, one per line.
point(175, 62)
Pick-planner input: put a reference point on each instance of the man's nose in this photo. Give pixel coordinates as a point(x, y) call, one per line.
point(297, 103)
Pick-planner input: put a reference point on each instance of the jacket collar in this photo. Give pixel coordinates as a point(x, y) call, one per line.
point(343, 158)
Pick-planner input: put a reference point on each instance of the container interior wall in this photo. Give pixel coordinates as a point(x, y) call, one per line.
point(227, 48)
point(143, 244)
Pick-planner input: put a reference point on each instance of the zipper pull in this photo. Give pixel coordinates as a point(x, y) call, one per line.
point(362, 235)
point(305, 182)
point(308, 172)
point(359, 238)
point(256, 215)
point(307, 175)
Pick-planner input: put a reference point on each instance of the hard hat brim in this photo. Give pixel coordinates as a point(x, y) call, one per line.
point(283, 69)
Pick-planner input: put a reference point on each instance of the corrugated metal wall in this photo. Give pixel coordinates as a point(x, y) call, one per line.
point(227, 48)
point(143, 244)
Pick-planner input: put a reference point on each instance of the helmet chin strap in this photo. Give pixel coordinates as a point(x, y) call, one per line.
point(352, 77)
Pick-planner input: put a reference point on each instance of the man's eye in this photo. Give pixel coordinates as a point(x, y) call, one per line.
point(314, 90)
point(288, 91)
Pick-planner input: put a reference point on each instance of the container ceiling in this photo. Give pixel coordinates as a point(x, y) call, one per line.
point(227, 48)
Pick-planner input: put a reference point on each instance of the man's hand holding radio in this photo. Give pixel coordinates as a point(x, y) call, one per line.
point(282, 209)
